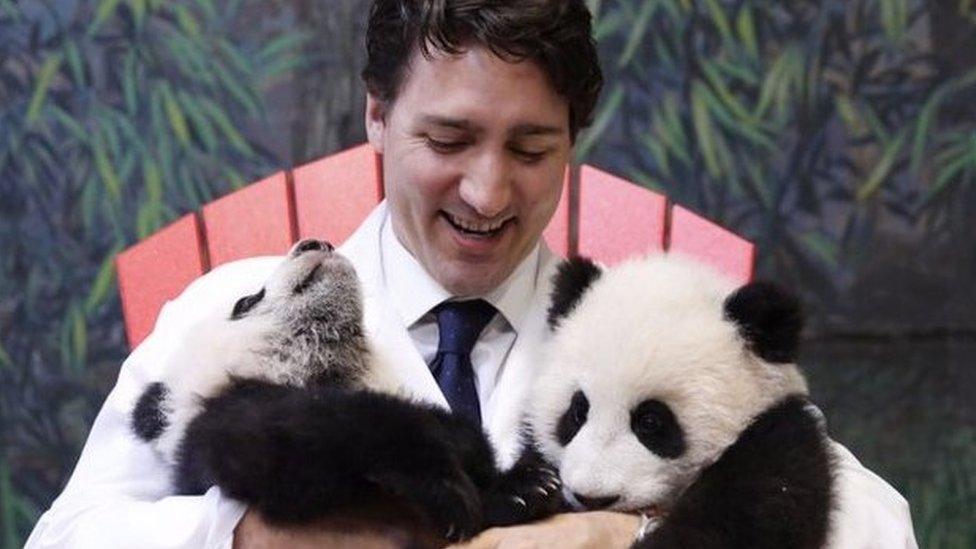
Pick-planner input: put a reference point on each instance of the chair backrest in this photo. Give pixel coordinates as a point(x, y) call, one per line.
point(600, 216)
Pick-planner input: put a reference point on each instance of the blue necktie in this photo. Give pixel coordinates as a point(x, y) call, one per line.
point(459, 324)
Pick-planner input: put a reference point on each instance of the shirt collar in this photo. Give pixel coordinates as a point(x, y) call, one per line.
point(414, 292)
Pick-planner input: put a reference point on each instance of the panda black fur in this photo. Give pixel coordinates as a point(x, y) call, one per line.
point(666, 389)
point(280, 402)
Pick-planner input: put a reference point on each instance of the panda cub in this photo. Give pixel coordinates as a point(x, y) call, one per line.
point(279, 401)
point(667, 390)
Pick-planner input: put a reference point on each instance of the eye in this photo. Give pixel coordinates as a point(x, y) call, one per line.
point(445, 146)
point(245, 304)
point(529, 157)
point(656, 427)
point(573, 418)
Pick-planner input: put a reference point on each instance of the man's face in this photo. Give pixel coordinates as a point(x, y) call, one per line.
point(474, 153)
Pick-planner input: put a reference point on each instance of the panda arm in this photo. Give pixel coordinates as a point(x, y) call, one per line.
point(298, 454)
point(771, 489)
point(120, 494)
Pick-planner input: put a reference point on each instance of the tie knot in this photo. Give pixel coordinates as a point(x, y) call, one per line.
point(460, 323)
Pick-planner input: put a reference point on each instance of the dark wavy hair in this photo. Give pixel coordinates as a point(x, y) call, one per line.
point(554, 34)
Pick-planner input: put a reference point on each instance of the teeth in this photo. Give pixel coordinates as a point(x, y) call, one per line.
point(477, 227)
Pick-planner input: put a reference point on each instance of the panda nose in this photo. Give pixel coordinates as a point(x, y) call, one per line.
point(595, 503)
point(309, 245)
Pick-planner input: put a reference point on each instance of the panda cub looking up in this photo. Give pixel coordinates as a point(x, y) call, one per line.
point(279, 401)
point(667, 390)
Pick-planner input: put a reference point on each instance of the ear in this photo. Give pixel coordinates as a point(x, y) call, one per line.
point(769, 318)
point(376, 111)
point(571, 281)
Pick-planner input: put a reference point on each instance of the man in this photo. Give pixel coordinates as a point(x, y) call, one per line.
point(474, 105)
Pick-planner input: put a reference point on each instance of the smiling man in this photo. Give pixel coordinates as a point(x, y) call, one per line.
point(474, 105)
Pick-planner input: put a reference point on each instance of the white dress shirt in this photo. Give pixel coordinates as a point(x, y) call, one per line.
point(413, 293)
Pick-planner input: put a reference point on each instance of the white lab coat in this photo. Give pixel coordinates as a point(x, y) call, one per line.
point(119, 494)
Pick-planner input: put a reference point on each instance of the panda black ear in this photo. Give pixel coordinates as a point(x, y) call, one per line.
point(568, 285)
point(769, 318)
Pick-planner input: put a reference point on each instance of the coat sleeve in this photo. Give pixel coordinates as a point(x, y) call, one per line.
point(119, 494)
point(869, 513)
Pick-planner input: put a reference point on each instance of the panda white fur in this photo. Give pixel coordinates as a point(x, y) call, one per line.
point(666, 389)
point(280, 402)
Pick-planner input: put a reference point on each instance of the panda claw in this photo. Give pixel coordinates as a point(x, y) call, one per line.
point(520, 501)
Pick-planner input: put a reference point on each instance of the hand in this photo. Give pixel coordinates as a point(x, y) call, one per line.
point(362, 529)
point(595, 529)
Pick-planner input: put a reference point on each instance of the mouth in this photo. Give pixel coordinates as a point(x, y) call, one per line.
point(311, 278)
point(477, 229)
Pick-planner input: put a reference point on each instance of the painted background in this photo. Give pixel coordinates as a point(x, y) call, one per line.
point(839, 135)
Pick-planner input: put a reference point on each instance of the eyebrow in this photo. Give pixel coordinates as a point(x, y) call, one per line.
point(520, 130)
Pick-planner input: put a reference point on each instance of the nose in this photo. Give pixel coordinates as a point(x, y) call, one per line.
point(595, 503)
point(310, 244)
point(487, 187)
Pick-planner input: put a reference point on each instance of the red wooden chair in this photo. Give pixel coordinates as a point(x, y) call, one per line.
point(600, 216)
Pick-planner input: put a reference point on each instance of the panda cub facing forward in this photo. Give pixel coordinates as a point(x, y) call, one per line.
point(279, 400)
point(668, 390)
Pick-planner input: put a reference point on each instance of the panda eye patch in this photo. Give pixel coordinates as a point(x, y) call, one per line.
point(656, 427)
point(245, 304)
point(573, 418)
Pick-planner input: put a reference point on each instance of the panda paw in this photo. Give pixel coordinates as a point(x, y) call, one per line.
point(530, 490)
point(451, 503)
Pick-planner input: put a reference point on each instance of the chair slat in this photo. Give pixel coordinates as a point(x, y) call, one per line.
point(335, 194)
point(618, 219)
point(255, 220)
point(556, 232)
point(157, 270)
point(698, 237)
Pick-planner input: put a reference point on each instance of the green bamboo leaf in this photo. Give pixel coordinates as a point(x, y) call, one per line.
point(130, 81)
point(106, 8)
point(69, 123)
point(608, 25)
point(175, 115)
point(883, 168)
point(283, 45)
point(240, 93)
point(202, 127)
point(704, 129)
point(5, 361)
point(103, 282)
point(601, 122)
point(44, 78)
point(744, 128)
point(637, 32)
point(186, 21)
point(75, 62)
point(824, 248)
point(79, 339)
point(152, 180)
point(776, 79)
point(720, 20)
point(929, 111)
point(746, 26)
point(138, 10)
point(226, 127)
point(954, 162)
point(849, 115)
point(724, 94)
point(105, 169)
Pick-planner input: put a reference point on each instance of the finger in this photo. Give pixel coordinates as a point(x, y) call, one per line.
point(489, 539)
